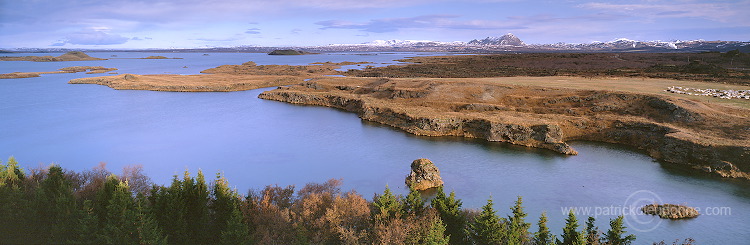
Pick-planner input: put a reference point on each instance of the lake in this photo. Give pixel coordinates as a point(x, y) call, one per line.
point(256, 143)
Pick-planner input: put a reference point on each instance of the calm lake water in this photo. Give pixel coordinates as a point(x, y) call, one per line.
point(256, 142)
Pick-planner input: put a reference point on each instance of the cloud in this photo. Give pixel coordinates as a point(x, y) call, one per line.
point(420, 22)
point(253, 31)
point(93, 36)
point(714, 11)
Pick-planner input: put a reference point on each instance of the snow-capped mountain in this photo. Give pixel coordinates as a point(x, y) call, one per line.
point(625, 45)
point(507, 39)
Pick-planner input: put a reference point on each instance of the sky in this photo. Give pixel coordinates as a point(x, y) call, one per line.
point(135, 24)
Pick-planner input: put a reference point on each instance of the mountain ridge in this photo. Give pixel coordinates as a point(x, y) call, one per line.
point(505, 43)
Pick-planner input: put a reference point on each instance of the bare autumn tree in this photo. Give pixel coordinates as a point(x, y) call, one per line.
point(350, 218)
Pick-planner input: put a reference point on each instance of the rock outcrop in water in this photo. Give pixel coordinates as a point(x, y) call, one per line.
point(670, 211)
point(424, 175)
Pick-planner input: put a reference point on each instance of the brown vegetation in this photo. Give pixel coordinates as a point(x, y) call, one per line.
point(709, 67)
point(72, 69)
point(220, 79)
point(188, 83)
point(711, 137)
point(69, 56)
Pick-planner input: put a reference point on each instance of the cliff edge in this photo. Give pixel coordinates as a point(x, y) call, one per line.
point(707, 137)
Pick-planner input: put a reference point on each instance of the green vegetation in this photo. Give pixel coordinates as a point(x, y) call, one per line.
point(56, 206)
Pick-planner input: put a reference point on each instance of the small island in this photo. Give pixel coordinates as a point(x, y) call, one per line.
point(72, 69)
point(670, 211)
point(289, 52)
point(69, 56)
point(158, 57)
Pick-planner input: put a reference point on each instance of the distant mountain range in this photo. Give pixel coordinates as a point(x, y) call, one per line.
point(504, 43)
point(511, 43)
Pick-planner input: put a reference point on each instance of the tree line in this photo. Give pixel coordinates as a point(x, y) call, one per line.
point(57, 206)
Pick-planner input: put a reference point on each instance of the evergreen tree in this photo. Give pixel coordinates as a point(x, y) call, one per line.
point(56, 208)
point(571, 235)
point(223, 203)
point(436, 235)
point(616, 231)
point(197, 201)
point(88, 225)
point(120, 218)
point(543, 236)
point(148, 229)
point(486, 228)
point(14, 204)
point(168, 205)
point(518, 229)
point(592, 232)
point(102, 200)
point(236, 231)
point(449, 209)
point(414, 204)
point(11, 175)
point(386, 207)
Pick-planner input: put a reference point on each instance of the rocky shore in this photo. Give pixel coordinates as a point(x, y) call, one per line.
point(710, 138)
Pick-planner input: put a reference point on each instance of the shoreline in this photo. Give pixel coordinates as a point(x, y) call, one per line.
point(707, 134)
point(665, 139)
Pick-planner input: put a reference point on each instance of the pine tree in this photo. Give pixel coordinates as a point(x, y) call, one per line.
point(11, 175)
point(592, 232)
point(616, 231)
point(518, 229)
point(543, 236)
point(236, 231)
point(449, 209)
point(169, 209)
point(120, 217)
point(413, 204)
point(148, 229)
point(197, 201)
point(486, 228)
point(571, 235)
point(14, 204)
point(222, 205)
point(56, 208)
point(102, 200)
point(386, 207)
point(436, 235)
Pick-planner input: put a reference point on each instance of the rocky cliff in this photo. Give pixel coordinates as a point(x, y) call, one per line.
point(673, 130)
